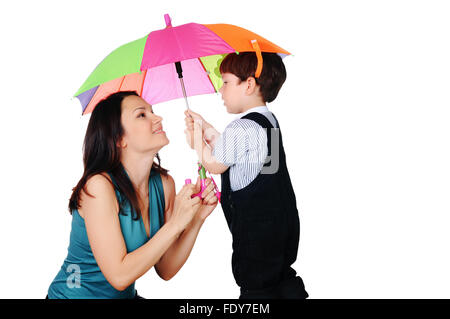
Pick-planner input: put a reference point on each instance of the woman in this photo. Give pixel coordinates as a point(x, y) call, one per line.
point(126, 217)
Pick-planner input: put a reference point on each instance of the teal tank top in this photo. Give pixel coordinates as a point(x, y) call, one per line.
point(80, 277)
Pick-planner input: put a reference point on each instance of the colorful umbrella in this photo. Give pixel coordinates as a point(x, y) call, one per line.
point(171, 63)
point(153, 66)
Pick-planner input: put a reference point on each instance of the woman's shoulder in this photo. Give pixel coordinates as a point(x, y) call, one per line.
point(100, 182)
point(168, 183)
point(99, 187)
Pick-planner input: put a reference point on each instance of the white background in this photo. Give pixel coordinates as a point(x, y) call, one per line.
point(364, 114)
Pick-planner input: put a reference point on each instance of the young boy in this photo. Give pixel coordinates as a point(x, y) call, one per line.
point(257, 196)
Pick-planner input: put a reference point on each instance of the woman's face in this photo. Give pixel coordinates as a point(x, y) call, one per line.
point(143, 131)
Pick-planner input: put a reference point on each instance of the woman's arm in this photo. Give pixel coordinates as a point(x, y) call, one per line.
point(175, 257)
point(100, 214)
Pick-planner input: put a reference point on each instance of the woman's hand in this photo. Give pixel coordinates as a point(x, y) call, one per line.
point(185, 207)
point(209, 201)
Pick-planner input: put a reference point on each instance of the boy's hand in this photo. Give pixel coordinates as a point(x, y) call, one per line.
point(191, 116)
point(189, 137)
point(194, 136)
point(209, 133)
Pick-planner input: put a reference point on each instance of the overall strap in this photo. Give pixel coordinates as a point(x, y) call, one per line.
point(260, 119)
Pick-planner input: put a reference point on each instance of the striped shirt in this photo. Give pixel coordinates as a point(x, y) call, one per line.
point(243, 147)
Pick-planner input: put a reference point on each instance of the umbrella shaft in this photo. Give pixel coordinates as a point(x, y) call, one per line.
point(184, 92)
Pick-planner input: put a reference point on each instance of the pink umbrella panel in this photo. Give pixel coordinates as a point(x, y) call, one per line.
point(159, 84)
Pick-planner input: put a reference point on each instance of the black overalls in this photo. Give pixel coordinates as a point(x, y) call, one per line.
point(264, 223)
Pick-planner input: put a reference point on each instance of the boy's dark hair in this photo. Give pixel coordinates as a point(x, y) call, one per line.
point(243, 65)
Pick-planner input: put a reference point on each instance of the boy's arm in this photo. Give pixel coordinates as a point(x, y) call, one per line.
point(208, 160)
point(195, 139)
point(211, 135)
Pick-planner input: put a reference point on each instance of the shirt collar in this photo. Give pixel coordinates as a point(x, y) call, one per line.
point(259, 109)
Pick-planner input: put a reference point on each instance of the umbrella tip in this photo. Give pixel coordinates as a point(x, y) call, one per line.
point(168, 20)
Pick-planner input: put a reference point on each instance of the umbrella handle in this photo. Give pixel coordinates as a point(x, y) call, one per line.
point(202, 174)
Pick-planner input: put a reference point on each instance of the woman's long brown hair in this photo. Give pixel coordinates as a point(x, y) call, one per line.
point(101, 154)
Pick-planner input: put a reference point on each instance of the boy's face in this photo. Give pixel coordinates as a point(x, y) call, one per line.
point(233, 93)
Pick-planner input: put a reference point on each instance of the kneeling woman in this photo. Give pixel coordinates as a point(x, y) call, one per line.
point(126, 217)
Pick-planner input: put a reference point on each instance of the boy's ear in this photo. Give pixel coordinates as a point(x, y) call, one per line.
point(252, 87)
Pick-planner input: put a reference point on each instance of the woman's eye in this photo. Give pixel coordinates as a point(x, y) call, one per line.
point(141, 114)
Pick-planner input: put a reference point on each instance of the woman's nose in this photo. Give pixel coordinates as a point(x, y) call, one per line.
point(157, 118)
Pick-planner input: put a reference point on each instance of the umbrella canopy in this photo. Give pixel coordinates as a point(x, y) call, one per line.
point(148, 65)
